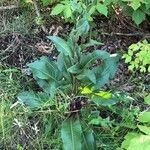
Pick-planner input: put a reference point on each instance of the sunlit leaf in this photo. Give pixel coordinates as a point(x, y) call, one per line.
point(144, 129)
point(67, 12)
point(144, 117)
point(104, 94)
point(101, 8)
point(128, 138)
point(58, 9)
point(147, 99)
point(86, 90)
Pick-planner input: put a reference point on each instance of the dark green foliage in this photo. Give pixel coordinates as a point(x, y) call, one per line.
point(72, 70)
point(74, 66)
point(71, 134)
point(71, 108)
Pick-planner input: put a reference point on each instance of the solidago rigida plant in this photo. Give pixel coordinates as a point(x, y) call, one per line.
point(72, 85)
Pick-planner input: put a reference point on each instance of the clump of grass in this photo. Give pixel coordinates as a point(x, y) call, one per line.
point(20, 23)
point(17, 20)
point(8, 88)
point(21, 128)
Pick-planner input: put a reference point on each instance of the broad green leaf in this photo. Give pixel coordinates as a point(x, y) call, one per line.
point(60, 62)
point(67, 12)
point(144, 117)
point(135, 4)
point(126, 143)
point(104, 94)
point(108, 100)
point(89, 74)
point(102, 79)
point(33, 100)
point(138, 16)
point(88, 59)
point(46, 2)
point(63, 62)
point(104, 101)
point(101, 8)
point(49, 87)
point(71, 134)
point(75, 69)
point(92, 10)
point(61, 45)
point(82, 26)
point(147, 99)
point(58, 9)
point(144, 129)
point(43, 69)
point(88, 142)
point(141, 142)
point(105, 71)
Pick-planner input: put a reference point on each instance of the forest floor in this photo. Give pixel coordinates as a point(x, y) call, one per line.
point(21, 42)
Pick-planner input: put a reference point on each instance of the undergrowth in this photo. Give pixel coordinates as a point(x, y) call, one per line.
point(33, 120)
point(20, 127)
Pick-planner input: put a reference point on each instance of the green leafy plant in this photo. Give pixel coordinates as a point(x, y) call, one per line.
point(138, 56)
point(141, 138)
point(75, 9)
point(137, 9)
point(62, 81)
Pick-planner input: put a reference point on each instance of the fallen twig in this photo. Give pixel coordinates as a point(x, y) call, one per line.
point(128, 34)
point(3, 8)
point(39, 15)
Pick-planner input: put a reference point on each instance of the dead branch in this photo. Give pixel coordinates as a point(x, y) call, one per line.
point(128, 34)
point(39, 15)
point(3, 8)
